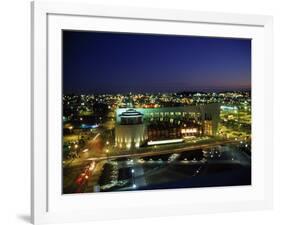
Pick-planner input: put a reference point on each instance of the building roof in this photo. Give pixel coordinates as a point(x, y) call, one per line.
point(131, 113)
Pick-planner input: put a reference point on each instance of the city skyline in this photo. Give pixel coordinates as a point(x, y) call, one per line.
point(140, 112)
point(104, 62)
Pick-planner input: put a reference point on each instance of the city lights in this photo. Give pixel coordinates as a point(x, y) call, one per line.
point(189, 131)
point(155, 118)
point(153, 129)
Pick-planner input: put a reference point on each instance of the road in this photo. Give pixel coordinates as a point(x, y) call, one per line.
point(90, 156)
point(169, 151)
point(93, 148)
point(93, 181)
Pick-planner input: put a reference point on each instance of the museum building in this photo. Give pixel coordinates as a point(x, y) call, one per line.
point(136, 126)
point(130, 131)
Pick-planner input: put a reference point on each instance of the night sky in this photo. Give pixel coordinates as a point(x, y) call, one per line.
point(105, 62)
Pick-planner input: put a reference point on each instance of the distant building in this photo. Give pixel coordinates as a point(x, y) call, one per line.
point(136, 126)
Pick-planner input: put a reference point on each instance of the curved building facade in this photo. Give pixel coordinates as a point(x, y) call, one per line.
point(136, 126)
point(130, 132)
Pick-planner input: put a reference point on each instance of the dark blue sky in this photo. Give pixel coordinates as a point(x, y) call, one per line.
point(101, 62)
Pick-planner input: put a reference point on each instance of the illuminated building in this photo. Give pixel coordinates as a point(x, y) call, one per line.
point(130, 131)
point(137, 126)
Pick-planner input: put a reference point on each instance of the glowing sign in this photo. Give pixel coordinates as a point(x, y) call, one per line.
point(171, 141)
point(189, 130)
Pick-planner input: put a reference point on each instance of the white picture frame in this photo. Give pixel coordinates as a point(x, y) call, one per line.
point(47, 203)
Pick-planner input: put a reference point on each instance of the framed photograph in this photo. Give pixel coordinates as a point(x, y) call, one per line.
point(140, 112)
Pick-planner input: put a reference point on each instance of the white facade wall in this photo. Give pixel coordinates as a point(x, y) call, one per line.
point(130, 136)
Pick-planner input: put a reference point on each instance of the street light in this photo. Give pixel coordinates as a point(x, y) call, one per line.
point(106, 152)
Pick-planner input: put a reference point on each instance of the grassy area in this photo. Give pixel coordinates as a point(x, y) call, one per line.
point(71, 138)
point(86, 113)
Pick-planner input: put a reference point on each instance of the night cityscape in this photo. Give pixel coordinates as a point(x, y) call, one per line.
point(147, 111)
